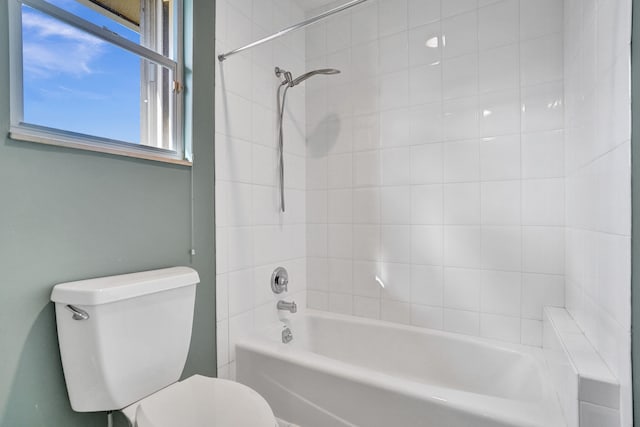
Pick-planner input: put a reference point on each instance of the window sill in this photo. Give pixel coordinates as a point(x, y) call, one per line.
point(70, 140)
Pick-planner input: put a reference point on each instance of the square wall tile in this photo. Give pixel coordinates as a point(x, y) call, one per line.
point(460, 34)
point(540, 290)
point(531, 332)
point(364, 24)
point(501, 293)
point(340, 276)
point(543, 202)
point(498, 24)
point(499, 68)
point(461, 321)
point(543, 250)
point(427, 285)
point(543, 154)
point(455, 7)
point(462, 288)
point(461, 119)
point(425, 84)
point(540, 18)
point(427, 204)
point(395, 204)
point(542, 107)
point(338, 34)
point(241, 291)
point(392, 17)
point(394, 311)
point(462, 203)
point(341, 303)
point(366, 206)
point(339, 171)
point(395, 128)
point(427, 164)
point(394, 90)
point(340, 240)
point(460, 76)
point(541, 60)
point(366, 307)
point(502, 248)
point(427, 317)
point(366, 168)
point(394, 50)
point(396, 243)
point(425, 44)
point(425, 121)
point(499, 113)
point(366, 242)
point(426, 244)
point(462, 245)
point(461, 161)
point(503, 328)
point(394, 166)
point(423, 12)
point(364, 279)
point(318, 300)
point(397, 281)
point(340, 209)
point(317, 274)
point(500, 158)
point(501, 202)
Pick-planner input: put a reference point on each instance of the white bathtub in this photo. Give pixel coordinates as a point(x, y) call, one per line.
point(347, 371)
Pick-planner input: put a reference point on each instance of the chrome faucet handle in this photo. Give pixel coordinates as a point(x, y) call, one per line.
point(287, 336)
point(280, 280)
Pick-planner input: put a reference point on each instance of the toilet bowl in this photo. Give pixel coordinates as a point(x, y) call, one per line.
point(202, 402)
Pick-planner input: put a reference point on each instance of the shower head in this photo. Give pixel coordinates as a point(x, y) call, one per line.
point(290, 82)
point(305, 76)
point(286, 76)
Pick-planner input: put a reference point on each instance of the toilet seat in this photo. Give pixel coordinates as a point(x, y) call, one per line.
point(202, 402)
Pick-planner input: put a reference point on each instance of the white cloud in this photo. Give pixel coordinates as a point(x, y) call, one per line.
point(63, 92)
point(51, 48)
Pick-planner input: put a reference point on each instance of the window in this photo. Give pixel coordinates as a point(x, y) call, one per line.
point(103, 75)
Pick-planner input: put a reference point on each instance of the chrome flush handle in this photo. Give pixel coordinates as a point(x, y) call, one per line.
point(78, 313)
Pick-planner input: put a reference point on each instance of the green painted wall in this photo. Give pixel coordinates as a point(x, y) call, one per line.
point(635, 207)
point(70, 214)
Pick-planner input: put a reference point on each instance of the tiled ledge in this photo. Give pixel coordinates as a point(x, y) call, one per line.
point(587, 390)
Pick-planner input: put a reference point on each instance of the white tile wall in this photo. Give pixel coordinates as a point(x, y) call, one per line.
point(597, 159)
point(471, 155)
point(252, 237)
point(455, 195)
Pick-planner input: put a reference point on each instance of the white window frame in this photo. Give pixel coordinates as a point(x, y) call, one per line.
point(19, 130)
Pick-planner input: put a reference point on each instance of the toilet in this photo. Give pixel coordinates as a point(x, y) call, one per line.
point(124, 342)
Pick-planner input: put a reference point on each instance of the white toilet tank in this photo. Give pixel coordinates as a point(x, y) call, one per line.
point(135, 340)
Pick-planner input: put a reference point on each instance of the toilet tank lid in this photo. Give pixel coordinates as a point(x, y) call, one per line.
point(103, 290)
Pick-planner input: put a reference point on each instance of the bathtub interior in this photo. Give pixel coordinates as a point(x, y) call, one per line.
point(431, 357)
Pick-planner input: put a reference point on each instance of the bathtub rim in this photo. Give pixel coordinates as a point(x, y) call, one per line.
point(532, 351)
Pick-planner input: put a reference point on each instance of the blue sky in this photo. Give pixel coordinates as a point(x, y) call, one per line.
point(77, 82)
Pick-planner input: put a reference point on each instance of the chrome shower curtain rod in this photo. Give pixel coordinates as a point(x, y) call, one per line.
point(287, 30)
